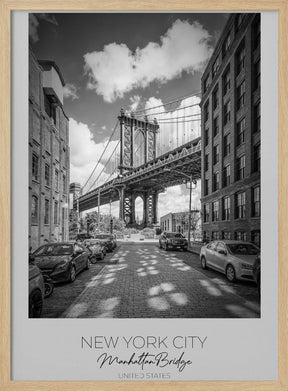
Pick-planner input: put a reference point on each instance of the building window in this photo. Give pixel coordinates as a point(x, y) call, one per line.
point(34, 209)
point(206, 137)
point(226, 144)
point(206, 112)
point(56, 180)
point(226, 81)
point(206, 162)
point(227, 112)
point(215, 235)
point(256, 33)
point(240, 58)
point(206, 187)
point(226, 208)
point(240, 205)
point(241, 125)
point(206, 213)
point(206, 83)
point(47, 175)
point(216, 154)
point(239, 21)
point(64, 184)
point(216, 181)
point(257, 75)
point(35, 167)
point(255, 237)
point(240, 235)
point(240, 167)
point(226, 235)
point(256, 201)
point(55, 212)
point(226, 175)
point(215, 126)
point(215, 211)
point(256, 158)
point(226, 45)
point(50, 108)
point(257, 118)
point(215, 66)
point(215, 98)
point(241, 95)
point(46, 211)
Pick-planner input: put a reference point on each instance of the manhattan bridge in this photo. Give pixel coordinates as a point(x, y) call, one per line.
point(148, 151)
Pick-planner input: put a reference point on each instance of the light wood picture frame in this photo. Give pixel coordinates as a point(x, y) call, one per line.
point(6, 7)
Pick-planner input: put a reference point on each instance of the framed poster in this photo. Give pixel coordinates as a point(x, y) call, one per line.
point(122, 111)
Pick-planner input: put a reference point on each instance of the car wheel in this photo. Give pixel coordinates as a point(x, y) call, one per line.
point(72, 274)
point(165, 247)
point(35, 304)
point(230, 273)
point(93, 259)
point(185, 249)
point(160, 245)
point(102, 256)
point(48, 289)
point(203, 263)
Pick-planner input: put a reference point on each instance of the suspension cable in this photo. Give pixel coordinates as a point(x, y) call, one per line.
point(96, 165)
point(104, 167)
point(167, 103)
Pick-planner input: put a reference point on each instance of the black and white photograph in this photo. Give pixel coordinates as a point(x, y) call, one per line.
point(144, 165)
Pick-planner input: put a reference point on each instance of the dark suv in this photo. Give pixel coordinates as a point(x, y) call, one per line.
point(170, 240)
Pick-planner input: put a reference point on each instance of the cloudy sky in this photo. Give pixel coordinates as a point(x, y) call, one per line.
point(128, 60)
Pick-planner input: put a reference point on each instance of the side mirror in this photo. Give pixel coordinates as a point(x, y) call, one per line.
point(223, 252)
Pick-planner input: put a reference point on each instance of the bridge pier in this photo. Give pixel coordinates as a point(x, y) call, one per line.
point(127, 207)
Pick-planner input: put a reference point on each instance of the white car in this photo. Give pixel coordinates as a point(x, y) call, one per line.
point(233, 258)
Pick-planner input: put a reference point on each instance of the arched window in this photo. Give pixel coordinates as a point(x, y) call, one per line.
point(34, 209)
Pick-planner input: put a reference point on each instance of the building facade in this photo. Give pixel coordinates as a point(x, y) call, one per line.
point(178, 222)
point(48, 155)
point(230, 133)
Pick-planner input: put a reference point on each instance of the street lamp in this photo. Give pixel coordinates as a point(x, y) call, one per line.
point(192, 181)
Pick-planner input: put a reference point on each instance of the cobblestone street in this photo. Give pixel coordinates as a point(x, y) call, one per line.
point(141, 281)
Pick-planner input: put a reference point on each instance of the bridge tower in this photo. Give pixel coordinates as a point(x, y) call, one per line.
point(129, 128)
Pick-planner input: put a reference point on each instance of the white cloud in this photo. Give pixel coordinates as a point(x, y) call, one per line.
point(179, 122)
point(167, 204)
point(135, 101)
point(34, 24)
point(84, 154)
point(71, 91)
point(33, 28)
point(116, 69)
point(103, 127)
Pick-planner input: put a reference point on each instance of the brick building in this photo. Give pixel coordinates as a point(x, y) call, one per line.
point(178, 222)
point(48, 154)
point(230, 124)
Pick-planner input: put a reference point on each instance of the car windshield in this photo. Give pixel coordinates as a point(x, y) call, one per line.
point(174, 235)
point(54, 249)
point(103, 236)
point(243, 249)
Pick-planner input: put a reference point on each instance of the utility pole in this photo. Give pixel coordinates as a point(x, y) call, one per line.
point(98, 217)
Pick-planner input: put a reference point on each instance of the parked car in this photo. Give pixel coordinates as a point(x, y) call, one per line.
point(257, 273)
point(83, 236)
point(108, 240)
point(233, 258)
point(97, 249)
point(170, 240)
point(36, 291)
point(61, 261)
